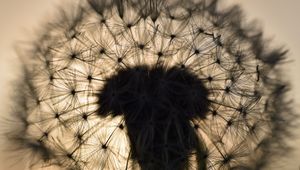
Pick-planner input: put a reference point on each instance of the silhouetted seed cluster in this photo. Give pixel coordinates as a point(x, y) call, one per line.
point(157, 104)
point(152, 85)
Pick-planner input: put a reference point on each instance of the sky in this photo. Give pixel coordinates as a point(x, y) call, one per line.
point(278, 18)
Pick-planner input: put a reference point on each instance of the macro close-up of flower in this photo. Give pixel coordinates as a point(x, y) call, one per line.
point(149, 85)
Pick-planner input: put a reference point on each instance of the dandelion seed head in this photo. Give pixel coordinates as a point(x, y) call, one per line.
point(151, 85)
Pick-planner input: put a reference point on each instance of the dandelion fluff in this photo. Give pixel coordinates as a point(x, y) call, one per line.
point(128, 84)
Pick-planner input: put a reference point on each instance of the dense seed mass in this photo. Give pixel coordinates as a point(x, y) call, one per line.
point(159, 102)
point(133, 91)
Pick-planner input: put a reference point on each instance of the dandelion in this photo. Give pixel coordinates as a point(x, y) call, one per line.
point(128, 84)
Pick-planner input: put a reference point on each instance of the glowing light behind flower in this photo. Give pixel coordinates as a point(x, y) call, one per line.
point(78, 53)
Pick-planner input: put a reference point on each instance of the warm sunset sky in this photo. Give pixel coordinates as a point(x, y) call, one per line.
point(279, 18)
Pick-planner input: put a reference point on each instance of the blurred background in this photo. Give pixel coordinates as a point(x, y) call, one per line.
point(279, 20)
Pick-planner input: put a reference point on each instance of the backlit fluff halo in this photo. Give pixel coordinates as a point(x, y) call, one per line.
point(129, 84)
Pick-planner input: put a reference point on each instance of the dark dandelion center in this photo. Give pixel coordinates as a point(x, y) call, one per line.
point(157, 104)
